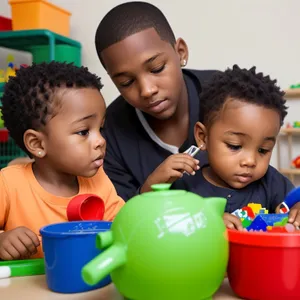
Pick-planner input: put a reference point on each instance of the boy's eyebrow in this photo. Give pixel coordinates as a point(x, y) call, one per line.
point(147, 61)
point(269, 138)
point(84, 118)
point(154, 57)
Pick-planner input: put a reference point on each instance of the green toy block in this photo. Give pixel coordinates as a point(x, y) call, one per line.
point(246, 222)
point(283, 222)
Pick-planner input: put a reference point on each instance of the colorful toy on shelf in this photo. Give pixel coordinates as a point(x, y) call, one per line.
point(1, 121)
point(296, 163)
point(160, 247)
point(296, 124)
point(2, 78)
point(295, 86)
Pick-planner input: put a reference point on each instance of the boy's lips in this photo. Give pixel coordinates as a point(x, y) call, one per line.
point(244, 177)
point(158, 106)
point(98, 162)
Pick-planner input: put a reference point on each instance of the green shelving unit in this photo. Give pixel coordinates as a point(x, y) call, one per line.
point(30, 40)
point(45, 46)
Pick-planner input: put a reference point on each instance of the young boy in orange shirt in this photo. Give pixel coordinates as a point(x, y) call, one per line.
point(55, 113)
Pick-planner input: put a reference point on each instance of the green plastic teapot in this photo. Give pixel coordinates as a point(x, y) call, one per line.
point(164, 244)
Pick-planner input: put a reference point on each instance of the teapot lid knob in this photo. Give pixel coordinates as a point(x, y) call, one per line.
point(161, 187)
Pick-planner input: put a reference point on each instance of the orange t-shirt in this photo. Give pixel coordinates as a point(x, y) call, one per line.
point(24, 202)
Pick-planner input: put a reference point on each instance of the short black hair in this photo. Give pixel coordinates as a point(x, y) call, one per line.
point(28, 98)
point(129, 18)
point(241, 84)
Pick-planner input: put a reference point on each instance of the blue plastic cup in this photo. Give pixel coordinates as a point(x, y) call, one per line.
point(67, 248)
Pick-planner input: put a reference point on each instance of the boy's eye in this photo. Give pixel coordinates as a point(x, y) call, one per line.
point(263, 151)
point(83, 132)
point(234, 147)
point(158, 69)
point(126, 83)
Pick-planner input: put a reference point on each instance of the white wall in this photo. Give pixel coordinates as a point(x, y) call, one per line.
point(264, 33)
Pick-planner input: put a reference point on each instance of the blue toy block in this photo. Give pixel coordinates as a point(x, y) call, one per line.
point(270, 219)
point(258, 224)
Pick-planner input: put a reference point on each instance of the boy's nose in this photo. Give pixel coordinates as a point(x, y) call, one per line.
point(100, 142)
point(249, 161)
point(147, 88)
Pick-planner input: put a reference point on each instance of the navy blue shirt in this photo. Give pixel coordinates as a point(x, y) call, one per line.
point(269, 191)
point(131, 154)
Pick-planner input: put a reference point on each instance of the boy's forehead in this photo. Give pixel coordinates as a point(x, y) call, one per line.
point(240, 116)
point(134, 48)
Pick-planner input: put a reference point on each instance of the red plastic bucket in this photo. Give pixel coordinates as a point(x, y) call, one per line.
point(264, 265)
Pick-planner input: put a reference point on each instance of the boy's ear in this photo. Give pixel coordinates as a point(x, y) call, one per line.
point(34, 143)
point(183, 51)
point(200, 134)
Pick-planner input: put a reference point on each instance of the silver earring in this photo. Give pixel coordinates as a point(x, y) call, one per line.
point(40, 153)
point(183, 63)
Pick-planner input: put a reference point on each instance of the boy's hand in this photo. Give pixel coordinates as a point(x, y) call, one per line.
point(18, 243)
point(294, 215)
point(171, 169)
point(232, 222)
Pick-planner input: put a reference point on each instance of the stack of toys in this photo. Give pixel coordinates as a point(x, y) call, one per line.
point(256, 218)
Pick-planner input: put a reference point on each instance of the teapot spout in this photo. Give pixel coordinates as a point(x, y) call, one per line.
point(103, 264)
point(218, 204)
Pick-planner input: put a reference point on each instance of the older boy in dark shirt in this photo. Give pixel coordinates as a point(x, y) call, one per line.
point(159, 104)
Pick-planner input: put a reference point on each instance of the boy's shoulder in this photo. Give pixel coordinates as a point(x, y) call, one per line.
point(15, 172)
point(202, 75)
point(120, 113)
point(276, 181)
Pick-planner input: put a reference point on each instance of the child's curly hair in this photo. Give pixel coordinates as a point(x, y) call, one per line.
point(29, 98)
point(243, 85)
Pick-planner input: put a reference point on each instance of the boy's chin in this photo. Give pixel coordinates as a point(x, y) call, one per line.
point(89, 173)
point(238, 185)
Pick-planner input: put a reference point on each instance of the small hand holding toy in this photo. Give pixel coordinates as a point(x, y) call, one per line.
point(291, 205)
point(173, 168)
point(232, 221)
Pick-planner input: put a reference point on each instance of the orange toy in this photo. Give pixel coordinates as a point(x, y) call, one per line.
point(39, 14)
point(296, 162)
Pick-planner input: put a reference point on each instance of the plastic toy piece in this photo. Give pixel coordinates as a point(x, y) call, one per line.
point(27, 267)
point(283, 222)
point(193, 150)
point(296, 163)
point(295, 86)
point(258, 224)
point(255, 207)
point(271, 219)
point(250, 213)
point(246, 222)
point(290, 200)
point(85, 207)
